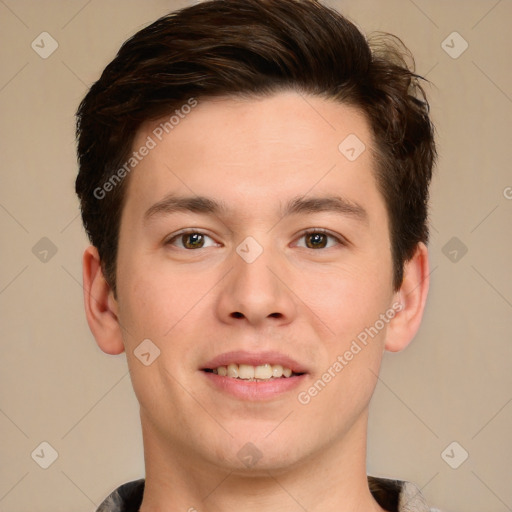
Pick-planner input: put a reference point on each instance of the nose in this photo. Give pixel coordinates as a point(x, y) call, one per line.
point(256, 293)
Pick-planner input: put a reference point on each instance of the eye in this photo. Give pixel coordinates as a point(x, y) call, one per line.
point(319, 239)
point(191, 240)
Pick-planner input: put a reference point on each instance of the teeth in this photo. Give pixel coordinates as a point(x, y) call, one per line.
point(245, 371)
point(233, 370)
point(248, 372)
point(263, 372)
point(277, 371)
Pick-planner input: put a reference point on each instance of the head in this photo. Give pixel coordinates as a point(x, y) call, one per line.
point(241, 108)
point(263, 47)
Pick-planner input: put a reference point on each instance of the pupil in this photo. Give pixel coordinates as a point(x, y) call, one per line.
point(193, 240)
point(317, 240)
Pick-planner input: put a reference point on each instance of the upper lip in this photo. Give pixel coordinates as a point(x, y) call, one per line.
point(254, 359)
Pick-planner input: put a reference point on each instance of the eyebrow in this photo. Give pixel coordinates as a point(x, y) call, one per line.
point(298, 205)
point(334, 204)
point(195, 204)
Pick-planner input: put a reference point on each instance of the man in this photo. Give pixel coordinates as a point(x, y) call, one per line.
point(254, 181)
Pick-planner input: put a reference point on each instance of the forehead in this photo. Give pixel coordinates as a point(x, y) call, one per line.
point(260, 148)
point(283, 120)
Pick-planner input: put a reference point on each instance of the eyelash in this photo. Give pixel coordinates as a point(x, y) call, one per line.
point(340, 240)
point(184, 233)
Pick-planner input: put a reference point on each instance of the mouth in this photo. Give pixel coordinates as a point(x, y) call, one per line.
point(254, 377)
point(260, 373)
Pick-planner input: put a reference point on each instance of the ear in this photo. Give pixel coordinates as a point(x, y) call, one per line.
point(412, 297)
point(100, 305)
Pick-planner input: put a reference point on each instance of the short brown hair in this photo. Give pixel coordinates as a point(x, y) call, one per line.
point(255, 48)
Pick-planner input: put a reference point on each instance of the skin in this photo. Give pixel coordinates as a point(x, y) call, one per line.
point(254, 155)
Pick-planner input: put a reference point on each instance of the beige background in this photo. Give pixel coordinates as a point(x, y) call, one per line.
point(452, 384)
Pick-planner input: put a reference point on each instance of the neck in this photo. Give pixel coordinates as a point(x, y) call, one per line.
point(332, 480)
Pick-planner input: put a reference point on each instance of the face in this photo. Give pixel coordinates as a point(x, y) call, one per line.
point(250, 242)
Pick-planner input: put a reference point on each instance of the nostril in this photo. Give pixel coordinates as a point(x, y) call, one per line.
point(237, 314)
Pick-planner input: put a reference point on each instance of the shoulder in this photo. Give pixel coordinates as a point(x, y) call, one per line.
point(398, 495)
point(126, 498)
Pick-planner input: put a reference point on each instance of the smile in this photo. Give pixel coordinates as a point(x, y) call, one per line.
point(262, 372)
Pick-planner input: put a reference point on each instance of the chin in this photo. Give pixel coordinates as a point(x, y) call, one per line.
point(255, 454)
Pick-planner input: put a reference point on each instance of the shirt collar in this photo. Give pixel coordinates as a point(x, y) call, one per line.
point(392, 495)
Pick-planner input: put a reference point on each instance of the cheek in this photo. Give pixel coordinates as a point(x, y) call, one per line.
point(165, 306)
point(347, 301)
point(152, 309)
point(352, 352)
point(148, 305)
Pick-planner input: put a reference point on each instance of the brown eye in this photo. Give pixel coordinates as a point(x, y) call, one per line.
point(316, 240)
point(192, 240)
point(319, 239)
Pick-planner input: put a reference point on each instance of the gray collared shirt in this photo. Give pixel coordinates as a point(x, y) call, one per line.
point(392, 495)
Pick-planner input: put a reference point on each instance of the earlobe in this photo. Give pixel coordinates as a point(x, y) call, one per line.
point(100, 305)
point(412, 296)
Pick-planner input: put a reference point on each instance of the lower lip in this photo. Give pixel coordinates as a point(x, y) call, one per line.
point(254, 390)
